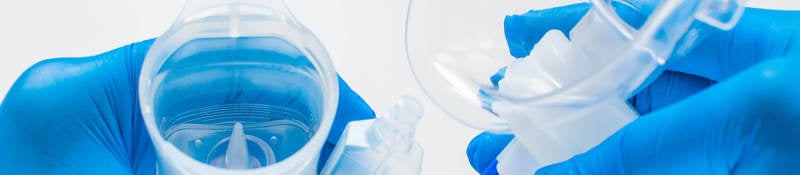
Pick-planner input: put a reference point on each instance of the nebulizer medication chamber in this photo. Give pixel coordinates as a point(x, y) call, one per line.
point(570, 93)
point(237, 87)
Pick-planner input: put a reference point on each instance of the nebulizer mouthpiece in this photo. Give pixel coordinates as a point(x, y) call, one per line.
point(237, 87)
point(570, 92)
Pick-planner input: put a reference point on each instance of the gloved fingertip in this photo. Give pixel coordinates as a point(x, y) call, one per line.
point(484, 148)
point(523, 31)
point(499, 75)
point(519, 43)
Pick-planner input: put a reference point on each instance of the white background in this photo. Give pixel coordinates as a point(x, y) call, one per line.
point(363, 37)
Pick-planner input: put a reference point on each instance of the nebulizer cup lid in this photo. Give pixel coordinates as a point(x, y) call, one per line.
point(458, 50)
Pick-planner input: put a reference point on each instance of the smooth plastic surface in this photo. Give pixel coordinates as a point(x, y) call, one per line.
point(384, 145)
point(237, 87)
point(454, 46)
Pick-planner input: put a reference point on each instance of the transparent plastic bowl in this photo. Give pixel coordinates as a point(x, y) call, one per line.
point(244, 64)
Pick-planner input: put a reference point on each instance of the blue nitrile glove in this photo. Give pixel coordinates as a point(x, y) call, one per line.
point(731, 106)
point(81, 116)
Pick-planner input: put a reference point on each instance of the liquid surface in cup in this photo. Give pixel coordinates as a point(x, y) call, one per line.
point(264, 85)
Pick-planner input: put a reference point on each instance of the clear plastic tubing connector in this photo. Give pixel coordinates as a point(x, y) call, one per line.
point(570, 93)
point(381, 146)
point(237, 87)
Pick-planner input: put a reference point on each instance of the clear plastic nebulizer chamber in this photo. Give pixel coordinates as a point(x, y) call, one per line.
point(237, 87)
point(569, 93)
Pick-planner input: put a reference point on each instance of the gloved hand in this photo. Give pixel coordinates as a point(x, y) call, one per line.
point(82, 116)
point(730, 106)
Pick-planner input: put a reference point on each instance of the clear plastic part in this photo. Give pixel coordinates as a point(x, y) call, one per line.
point(569, 93)
point(455, 50)
point(237, 87)
point(381, 146)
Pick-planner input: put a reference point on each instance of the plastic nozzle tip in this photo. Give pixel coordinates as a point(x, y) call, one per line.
point(236, 156)
point(397, 125)
point(406, 110)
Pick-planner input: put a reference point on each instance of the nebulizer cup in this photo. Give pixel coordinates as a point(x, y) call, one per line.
point(570, 92)
point(237, 87)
